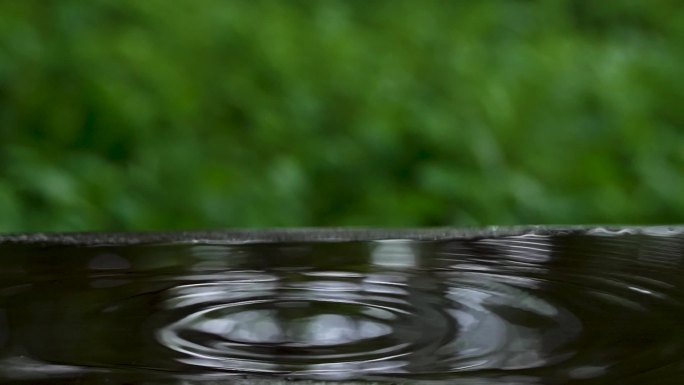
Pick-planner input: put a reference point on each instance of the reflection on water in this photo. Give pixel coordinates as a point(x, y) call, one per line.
point(596, 307)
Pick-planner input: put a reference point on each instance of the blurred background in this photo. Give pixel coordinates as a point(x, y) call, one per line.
point(198, 114)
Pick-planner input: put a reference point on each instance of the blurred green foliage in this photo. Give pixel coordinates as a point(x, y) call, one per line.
point(156, 114)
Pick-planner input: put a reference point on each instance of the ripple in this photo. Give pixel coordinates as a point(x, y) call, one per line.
point(302, 326)
point(371, 323)
point(603, 307)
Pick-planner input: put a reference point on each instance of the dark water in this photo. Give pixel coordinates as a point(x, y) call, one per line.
point(587, 308)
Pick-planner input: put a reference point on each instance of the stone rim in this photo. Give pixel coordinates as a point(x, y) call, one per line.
point(321, 234)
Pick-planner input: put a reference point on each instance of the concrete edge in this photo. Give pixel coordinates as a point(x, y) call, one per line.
point(240, 236)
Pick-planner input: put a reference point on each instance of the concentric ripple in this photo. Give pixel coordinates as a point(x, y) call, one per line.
point(597, 307)
point(368, 323)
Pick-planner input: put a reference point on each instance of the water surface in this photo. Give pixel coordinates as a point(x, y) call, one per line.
point(585, 307)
